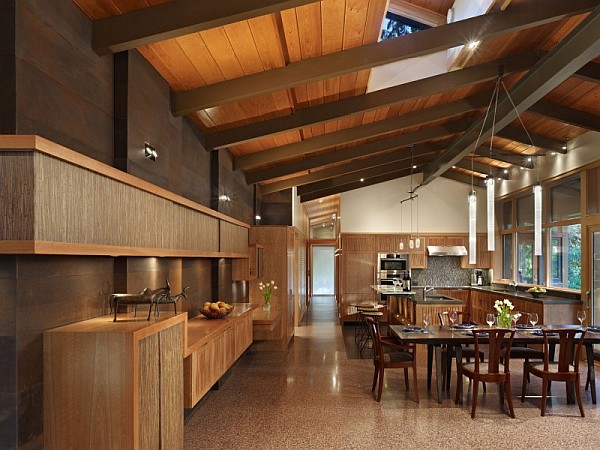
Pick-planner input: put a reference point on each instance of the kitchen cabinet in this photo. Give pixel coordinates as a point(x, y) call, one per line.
point(249, 268)
point(115, 385)
point(483, 257)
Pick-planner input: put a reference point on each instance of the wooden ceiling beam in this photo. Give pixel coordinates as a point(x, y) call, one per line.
point(176, 18)
point(517, 17)
point(347, 135)
point(475, 167)
point(540, 141)
point(381, 179)
point(574, 51)
point(367, 102)
point(358, 151)
point(416, 12)
point(568, 115)
point(354, 166)
point(463, 178)
point(364, 174)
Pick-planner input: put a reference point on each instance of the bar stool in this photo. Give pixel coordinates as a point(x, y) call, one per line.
point(375, 316)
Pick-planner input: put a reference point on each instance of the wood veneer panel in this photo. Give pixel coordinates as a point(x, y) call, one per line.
point(171, 382)
point(17, 187)
point(233, 239)
point(149, 395)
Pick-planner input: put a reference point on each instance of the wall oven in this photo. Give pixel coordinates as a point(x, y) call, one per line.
point(392, 262)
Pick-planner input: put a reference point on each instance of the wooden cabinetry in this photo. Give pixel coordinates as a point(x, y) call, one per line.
point(115, 385)
point(249, 268)
point(483, 257)
point(213, 346)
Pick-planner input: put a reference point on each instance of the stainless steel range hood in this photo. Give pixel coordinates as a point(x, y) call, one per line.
point(447, 250)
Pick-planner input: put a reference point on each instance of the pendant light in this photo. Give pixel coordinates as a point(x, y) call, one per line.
point(401, 237)
point(412, 243)
point(472, 199)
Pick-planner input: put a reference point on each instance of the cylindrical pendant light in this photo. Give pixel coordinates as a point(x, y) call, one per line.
point(537, 218)
point(490, 212)
point(472, 199)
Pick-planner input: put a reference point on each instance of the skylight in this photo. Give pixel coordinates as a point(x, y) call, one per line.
point(395, 25)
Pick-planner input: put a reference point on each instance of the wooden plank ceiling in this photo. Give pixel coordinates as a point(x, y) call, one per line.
point(326, 133)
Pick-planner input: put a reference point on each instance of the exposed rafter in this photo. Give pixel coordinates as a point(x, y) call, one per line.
point(517, 17)
point(354, 166)
point(176, 18)
point(520, 135)
point(463, 178)
point(573, 52)
point(361, 174)
point(564, 114)
point(358, 151)
point(360, 104)
point(347, 135)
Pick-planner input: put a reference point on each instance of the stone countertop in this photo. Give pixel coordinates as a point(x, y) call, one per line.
point(390, 290)
point(544, 298)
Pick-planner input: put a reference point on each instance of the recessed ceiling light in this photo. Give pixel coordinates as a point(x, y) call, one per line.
point(554, 153)
point(362, 179)
point(320, 200)
point(472, 45)
point(414, 167)
point(505, 170)
point(454, 167)
point(529, 159)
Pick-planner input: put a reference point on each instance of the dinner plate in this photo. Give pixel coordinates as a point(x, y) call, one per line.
point(412, 329)
point(540, 333)
point(464, 326)
point(525, 326)
point(594, 329)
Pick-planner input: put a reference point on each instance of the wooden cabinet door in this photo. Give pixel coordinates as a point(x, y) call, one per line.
point(418, 259)
point(359, 272)
point(456, 240)
point(436, 240)
point(171, 392)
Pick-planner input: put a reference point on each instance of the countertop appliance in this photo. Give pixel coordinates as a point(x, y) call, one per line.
point(395, 262)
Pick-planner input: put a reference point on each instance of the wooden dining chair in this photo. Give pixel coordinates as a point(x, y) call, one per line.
point(449, 353)
point(493, 371)
point(523, 351)
point(399, 357)
point(566, 369)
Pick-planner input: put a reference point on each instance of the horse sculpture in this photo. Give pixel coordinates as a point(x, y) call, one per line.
point(148, 296)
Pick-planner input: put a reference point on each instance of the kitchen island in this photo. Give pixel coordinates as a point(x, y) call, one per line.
point(410, 310)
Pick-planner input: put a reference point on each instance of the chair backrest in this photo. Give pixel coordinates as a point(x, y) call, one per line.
point(373, 326)
point(569, 351)
point(500, 343)
point(463, 317)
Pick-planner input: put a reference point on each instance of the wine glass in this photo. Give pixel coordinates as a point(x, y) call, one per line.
point(452, 315)
point(581, 316)
point(490, 318)
point(426, 319)
point(533, 318)
point(515, 317)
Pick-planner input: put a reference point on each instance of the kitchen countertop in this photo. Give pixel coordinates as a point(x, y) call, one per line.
point(391, 290)
point(544, 298)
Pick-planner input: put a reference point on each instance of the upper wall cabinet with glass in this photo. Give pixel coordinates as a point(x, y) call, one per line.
point(565, 200)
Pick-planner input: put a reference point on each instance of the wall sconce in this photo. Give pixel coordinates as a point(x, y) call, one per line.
point(150, 152)
point(224, 198)
point(257, 217)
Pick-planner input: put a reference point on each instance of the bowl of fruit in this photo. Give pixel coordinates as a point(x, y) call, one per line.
point(216, 310)
point(536, 291)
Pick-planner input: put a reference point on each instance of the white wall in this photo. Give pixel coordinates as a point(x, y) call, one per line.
point(442, 207)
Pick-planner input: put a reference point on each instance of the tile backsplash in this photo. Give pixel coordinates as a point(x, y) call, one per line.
point(445, 271)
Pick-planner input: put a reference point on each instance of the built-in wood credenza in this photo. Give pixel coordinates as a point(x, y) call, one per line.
point(58, 201)
point(213, 346)
point(116, 385)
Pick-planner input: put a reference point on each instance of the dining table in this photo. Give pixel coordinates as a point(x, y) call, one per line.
point(436, 337)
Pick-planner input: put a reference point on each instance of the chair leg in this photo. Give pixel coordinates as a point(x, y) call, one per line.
point(406, 378)
point(525, 378)
point(457, 397)
point(578, 395)
point(501, 393)
point(474, 399)
point(509, 398)
point(375, 375)
point(381, 370)
point(544, 395)
point(415, 382)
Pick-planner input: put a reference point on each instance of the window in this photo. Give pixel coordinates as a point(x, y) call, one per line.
point(530, 268)
point(507, 215)
point(565, 256)
point(525, 211)
point(395, 25)
point(507, 257)
point(565, 200)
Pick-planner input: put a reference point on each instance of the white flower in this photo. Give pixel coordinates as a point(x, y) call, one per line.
point(272, 282)
point(274, 287)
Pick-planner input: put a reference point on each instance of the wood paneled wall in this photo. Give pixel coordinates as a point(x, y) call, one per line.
point(233, 238)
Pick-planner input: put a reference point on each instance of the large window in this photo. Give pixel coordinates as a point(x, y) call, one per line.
point(560, 262)
point(565, 256)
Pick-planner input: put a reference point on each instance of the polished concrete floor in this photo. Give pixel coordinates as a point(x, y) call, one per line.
point(318, 396)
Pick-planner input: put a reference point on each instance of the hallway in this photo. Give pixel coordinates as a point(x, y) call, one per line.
point(318, 395)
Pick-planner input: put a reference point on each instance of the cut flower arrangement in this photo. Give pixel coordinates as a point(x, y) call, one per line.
point(504, 309)
point(267, 292)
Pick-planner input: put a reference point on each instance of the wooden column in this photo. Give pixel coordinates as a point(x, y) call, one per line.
point(8, 77)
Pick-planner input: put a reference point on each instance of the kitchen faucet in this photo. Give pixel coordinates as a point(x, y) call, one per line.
point(513, 283)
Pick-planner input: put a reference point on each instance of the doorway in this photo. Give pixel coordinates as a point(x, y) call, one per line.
point(322, 270)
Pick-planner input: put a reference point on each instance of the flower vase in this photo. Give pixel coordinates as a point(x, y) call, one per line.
point(267, 305)
point(504, 320)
